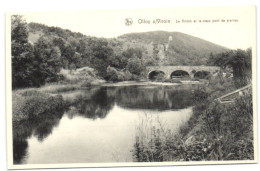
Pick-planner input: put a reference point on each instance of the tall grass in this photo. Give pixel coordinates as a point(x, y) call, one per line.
point(153, 140)
point(214, 132)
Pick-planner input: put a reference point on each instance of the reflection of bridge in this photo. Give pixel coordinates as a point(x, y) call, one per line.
point(181, 71)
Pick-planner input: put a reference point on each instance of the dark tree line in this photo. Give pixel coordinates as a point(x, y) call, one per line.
point(39, 62)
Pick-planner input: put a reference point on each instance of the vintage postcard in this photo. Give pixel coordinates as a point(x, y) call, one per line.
point(146, 87)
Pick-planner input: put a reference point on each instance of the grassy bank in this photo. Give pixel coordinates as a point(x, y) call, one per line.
point(30, 103)
point(215, 131)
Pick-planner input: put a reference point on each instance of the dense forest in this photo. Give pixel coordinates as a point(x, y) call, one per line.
point(39, 52)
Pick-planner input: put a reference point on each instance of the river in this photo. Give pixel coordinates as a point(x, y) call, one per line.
point(100, 123)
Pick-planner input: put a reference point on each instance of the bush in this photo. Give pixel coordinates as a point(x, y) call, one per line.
point(114, 75)
point(81, 76)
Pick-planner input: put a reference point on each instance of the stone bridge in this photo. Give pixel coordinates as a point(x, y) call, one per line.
point(181, 71)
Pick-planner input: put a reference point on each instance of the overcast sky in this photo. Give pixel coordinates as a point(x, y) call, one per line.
point(109, 24)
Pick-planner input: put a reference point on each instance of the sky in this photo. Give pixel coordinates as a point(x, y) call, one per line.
point(239, 33)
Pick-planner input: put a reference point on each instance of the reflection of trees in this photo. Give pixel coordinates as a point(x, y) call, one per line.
point(159, 98)
point(40, 126)
point(95, 107)
point(19, 150)
point(103, 99)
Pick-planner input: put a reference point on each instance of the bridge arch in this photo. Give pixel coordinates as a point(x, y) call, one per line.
point(156, 74)
point(202, 74)
point(180, 74)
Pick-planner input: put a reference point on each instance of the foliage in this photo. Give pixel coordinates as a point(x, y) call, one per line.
point(159, 77)
point(152, 141)
point(101, 53)
point(29, 104)
point(134, 65)
point(239, 60)
point(182, 49)
point(215, 131)
point(229, 128)
point(133, 52)
point(81, 77)
point(32, 65)
point(53, 48)
point(118, 61)
point(22, 54)
point(114, 75)
point(48, 61)
point(63, 33)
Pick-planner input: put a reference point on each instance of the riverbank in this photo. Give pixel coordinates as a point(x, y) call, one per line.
point(215, 131)
point(31, 102)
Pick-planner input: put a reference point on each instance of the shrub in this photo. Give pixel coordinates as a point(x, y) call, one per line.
point(81, 76)
point(114, 75)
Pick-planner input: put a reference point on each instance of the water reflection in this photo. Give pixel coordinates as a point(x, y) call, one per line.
point(155, 98)
point(95, 107)
point(133, 97)
point(39, 127)
point(95, 104)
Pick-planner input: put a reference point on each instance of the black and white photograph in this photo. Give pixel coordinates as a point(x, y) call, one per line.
point(139, 87)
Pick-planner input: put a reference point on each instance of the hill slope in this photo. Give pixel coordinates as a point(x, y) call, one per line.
point(158, 47)
point(174, 48)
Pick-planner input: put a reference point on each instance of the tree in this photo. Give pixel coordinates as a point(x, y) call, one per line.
point(134, 65)
point(118, 61)
point(48, 58)
point(68, 56)
point(239, 60)
point(22, 54)
point(77, 60)
point(133, 52)
point(100, 55)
